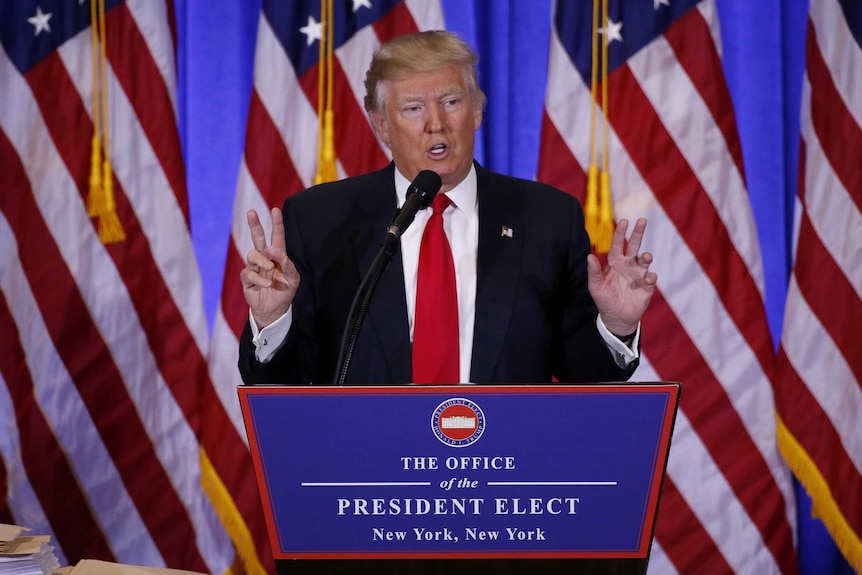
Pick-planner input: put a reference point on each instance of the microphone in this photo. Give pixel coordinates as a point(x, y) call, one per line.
point(419, 196)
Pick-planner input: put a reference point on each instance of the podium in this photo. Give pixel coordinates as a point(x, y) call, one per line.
point(474, 478)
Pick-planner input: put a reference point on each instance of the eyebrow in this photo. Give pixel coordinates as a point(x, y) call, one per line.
point(452, 91)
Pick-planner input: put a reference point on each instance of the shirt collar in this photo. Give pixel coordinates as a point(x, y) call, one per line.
point(463, 195)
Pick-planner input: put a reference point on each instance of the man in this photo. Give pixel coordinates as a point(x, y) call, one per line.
point(532, 303)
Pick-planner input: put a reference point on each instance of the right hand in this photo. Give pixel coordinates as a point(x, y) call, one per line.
point(269, 279)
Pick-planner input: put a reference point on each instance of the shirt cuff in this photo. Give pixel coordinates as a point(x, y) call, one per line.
point(269, 340)
point(623, 354)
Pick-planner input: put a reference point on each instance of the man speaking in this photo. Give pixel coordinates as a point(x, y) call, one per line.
point(491, 283)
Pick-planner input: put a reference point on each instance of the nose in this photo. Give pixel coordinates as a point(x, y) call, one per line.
point(434, 118)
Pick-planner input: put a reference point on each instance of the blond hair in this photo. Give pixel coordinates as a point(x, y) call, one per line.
point(420, 52)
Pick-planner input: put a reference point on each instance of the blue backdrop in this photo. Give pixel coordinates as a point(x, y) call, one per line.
point(764, 44)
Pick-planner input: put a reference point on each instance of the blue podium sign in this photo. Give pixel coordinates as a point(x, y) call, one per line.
point(546, 471)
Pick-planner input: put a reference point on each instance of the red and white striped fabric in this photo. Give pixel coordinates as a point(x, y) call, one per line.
point(819, 376)
point(102, 347)
point(281, 159)
point(674, 155)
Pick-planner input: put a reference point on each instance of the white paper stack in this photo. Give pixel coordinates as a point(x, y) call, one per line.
point(22, 554)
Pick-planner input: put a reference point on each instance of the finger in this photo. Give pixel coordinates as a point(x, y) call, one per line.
point(259, 260)
point(277, 239)
point(645, 259)
point(619, 238)
point(253, 279)
point(637, 237)
point(258, 236)
point(249, 277)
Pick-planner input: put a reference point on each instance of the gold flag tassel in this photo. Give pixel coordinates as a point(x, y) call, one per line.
point(598, 209)
point(100, 202)
point(326, 168)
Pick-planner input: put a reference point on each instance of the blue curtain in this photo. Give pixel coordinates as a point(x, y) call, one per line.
point(764, 61)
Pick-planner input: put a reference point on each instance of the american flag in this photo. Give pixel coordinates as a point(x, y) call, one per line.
point(102, 347)
point(674, 157)
point(819, 375)
point(281, 159)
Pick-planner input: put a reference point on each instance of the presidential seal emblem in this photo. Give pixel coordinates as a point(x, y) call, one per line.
point(458, 422)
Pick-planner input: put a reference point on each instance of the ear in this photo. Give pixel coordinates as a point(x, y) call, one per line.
point(477, 117)
point(381, 126)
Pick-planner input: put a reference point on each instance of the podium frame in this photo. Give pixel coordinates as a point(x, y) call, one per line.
point(267, 434)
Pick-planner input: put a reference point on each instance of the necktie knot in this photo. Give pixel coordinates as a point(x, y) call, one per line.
point(440, 203)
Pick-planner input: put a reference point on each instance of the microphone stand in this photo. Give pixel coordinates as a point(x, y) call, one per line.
point(368, 285)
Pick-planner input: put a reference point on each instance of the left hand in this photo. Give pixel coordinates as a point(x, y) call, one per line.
point(622, 291)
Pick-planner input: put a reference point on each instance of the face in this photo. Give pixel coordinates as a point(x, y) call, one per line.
point(429, 121)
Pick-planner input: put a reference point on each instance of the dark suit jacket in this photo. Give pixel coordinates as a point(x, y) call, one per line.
point(534, 315)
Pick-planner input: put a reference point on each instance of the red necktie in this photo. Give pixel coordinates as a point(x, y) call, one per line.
point(435, 329)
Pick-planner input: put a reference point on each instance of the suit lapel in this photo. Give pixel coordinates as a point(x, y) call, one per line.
point(501, 232)
point(387, 313)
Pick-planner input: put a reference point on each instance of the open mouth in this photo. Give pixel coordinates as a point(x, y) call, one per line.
point(438, 150)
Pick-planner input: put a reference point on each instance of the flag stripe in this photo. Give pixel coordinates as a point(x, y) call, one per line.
point(80, 345)
point(118, 364)
point(691, 40)
point(714, 418)
point(73, 340)
point(81, 537)
point(692, 305)
point(395, 23)
point(828, 204)
point(826, 447)
point(243, 514)
point(700, 549)
point(819, 374)
point(564, 172)
point(233, 304)
point(166, 298)
point(143, 84)
point(833, 123)
point(150, 195)
point(831, 297)
point(694, 472)
point(680, 272)
point(667, 174)
point(675, 158)
point(156, 312)
point(265, 150)
point(839, 44)
point(157, 28)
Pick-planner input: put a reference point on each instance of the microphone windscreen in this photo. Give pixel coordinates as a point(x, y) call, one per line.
point(427, 183)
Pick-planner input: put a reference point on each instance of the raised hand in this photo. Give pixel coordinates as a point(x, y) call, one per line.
point(269, 279)
point(623, 289)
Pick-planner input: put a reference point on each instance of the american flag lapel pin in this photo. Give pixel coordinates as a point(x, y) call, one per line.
point(507, 232)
